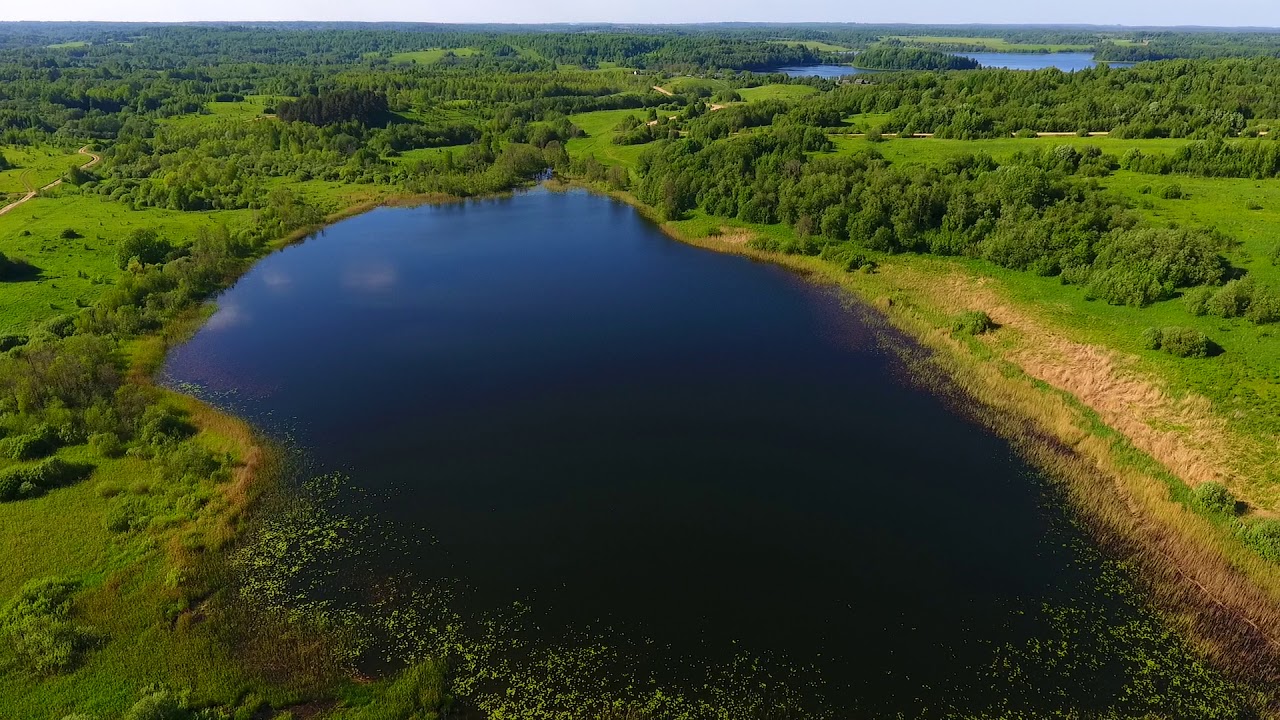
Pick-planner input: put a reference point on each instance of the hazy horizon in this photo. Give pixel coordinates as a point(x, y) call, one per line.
point(1229, 14)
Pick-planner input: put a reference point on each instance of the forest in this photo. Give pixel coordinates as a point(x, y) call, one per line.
point(1137, 204)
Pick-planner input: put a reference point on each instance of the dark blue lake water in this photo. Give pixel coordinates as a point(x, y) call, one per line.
point(1068, 62)
point(708, 455)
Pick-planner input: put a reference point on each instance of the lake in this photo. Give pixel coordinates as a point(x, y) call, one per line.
point(1068, 62)
point(1065, 61)
point(698, 462)
point(828, 72)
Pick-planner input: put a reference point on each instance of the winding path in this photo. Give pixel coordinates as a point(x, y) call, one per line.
point(31, 192)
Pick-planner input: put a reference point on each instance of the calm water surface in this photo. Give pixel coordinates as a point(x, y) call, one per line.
point(1068, 62)
point(694, 449)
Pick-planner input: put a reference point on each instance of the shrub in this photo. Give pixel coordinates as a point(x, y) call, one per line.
point(163, 425)
point(38, 443)
point(145, 246)
point(69, 234)
point(9, 342)
point(1178, 341)
point(124, 515)
point(157, 704)
point(1172, 192)
point(1264, 536)
point(37, 626)
point(43, 477)
point(106, 444)
point(1215, 498)
point(1245, 298)
point(1197, 299)
point(974, 322)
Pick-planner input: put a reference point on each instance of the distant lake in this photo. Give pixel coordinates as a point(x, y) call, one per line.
point(823, 71)
point(1067, 62)
point(708, 466)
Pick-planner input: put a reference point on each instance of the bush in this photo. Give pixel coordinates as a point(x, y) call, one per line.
point(1215, 498)
point(37, 626)
point(124, 515)
point(38, 443)
point(157, 704)
point(106, 444)
point(145, 246)
point(1172, 192)
point(41, 478)
point(1264, 536)
point(974, 322)
point(1178, 341)
point(1245, 298)
point(1197, 300)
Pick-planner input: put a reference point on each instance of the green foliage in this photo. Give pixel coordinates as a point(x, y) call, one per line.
point(144, 246)
point(1264, 536)
point(125, 514)
point(1215, 498)
point(419, 691)
point(1171, 192)
point(158, 704)
point(39, 442)
point(37, 627)
point(1180, 342)
point(1240, 298)
point(20, 482)
point(973, 322)
point(904, 58)
point(106, 444)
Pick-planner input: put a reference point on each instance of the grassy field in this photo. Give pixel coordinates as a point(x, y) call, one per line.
point(35, 167)
point(251, 108)
point(776, 92)
point(74, 272)
point(431, 56)
point(990, 43)
point(598, 127)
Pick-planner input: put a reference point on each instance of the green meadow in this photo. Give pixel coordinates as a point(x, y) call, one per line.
point(776, 92)
point(431, 56)
point(34, 167)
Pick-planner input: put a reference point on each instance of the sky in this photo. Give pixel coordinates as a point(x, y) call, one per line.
point(1223, 13)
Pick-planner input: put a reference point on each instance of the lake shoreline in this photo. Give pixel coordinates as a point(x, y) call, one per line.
point(1217, 592)
point(1104, 477)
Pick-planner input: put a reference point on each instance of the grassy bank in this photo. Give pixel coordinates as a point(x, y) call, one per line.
point(1114, 464)
point(145, 546)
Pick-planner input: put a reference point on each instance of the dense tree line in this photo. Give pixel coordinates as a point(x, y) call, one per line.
point(1169, 99)
point(905, 58)
point(1018, 215)
point(367, 107)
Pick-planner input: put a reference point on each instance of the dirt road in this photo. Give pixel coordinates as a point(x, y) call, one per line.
point(31, 193)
